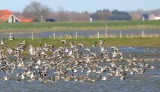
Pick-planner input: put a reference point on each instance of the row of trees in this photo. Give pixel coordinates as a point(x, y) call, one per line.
point(40, 12)
point(111, 15)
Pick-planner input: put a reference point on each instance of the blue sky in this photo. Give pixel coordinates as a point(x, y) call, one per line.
point(84, 5)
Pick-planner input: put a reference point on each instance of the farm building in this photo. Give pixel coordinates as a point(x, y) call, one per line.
point(150, 17)
point(145, 17)
point(7, 17)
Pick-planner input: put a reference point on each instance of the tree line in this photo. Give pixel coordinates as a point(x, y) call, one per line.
point(41, 12)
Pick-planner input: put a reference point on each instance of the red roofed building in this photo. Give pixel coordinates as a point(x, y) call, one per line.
point(26, 20)
point(7, 17)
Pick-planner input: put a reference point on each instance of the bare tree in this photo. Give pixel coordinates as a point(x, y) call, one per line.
point(70, 16)
point(37, 11)
point(40, 12)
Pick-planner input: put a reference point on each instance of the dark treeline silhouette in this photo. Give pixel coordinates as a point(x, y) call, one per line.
point(41, 12)
point(101, 15)
point(119, 15)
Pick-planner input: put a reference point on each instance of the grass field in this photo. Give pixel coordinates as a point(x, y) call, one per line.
point(111, 25)
point(97, 25)
point(145, 42)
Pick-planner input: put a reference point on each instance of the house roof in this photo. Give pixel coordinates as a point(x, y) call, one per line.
point(27, 20)
point(4, 15)
point(5, 12)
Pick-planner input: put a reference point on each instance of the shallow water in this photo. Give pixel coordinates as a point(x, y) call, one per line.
point(148, 82)
point(46, 34)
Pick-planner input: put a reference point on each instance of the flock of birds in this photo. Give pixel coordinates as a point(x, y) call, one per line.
point(69, 62)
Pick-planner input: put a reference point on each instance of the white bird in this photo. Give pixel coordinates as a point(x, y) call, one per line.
point(22, 77)
point(31, 50)
point(88, 50)
point(2, 42)
point(101, 42)
point(5, 78)
point(102, 48)
point(10, 50)
point(104, 78)
point(114, 54)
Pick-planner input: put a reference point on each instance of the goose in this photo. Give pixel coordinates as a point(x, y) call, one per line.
point(63, 42)
point(101, 42)
point(88, 71)
point(152, 67)
point(81, 63)
point(114, 54)
point(5, 78)
point(67, 78)
point(87, 50)
point(80, 45)
point(122, 77)
point(72, 46)
point(2, 42)
point(22, 77)
point(104, 78)
point(11, 37)
point(23, 43)
point(31, 50)
point(102, 49)
point(10, 50)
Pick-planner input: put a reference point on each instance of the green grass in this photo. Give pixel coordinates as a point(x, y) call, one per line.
point(96, 25)
point(145, 42)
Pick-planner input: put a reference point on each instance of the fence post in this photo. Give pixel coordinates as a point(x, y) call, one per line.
point(54, 36)
point(98, 35)
point(10, 35)
point(142, 33)
point(32, 36)
point(76, 35)
point(105, 33)
point(120, 34)
point(105, 29)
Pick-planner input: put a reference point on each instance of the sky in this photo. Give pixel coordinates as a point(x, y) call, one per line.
point(83, 5)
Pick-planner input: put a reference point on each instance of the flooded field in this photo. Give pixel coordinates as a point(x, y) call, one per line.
point(147, 82)
point(107, 72)
point(43, 34)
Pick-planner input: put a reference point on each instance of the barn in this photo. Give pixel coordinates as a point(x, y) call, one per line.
point(7, 16)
